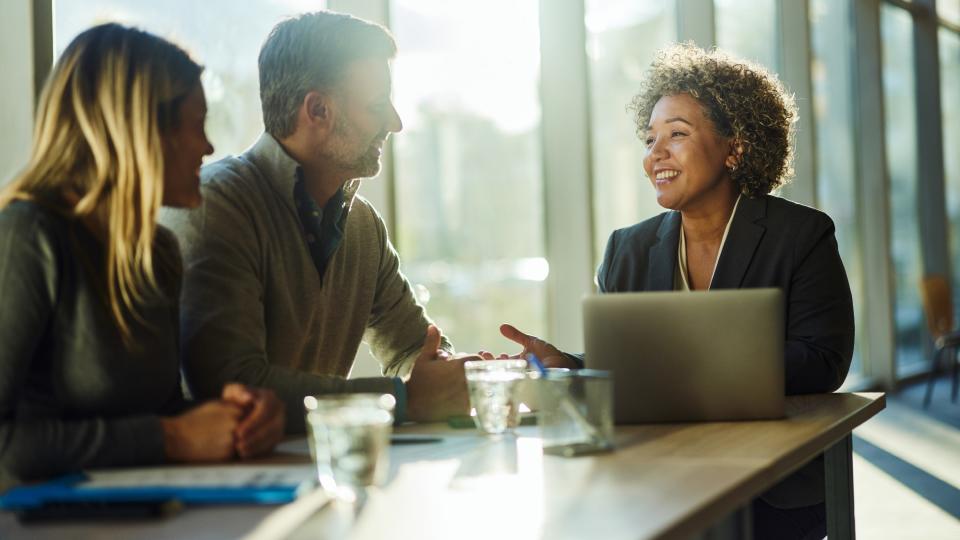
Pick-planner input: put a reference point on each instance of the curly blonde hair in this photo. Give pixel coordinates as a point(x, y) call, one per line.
point(745, 102)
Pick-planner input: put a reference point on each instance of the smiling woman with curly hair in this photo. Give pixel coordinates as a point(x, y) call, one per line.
point(717, 132)
point(745, 102)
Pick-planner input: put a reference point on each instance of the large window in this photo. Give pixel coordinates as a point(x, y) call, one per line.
point(950, 100)
point(747, 28)
point(220, 35)
point(900, 134)
point(622, 39)
point(469, 193)
point(836, 175)
point(464, 188)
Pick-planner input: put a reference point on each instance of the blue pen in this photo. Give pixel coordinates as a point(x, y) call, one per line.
point(532, 358)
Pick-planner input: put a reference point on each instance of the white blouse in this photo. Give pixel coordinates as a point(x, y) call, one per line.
point(681, 280)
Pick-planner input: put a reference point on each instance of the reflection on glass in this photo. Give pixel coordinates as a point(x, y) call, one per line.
point(949, 10)
point(830, 73)
point(224, 39)
point(950, 107)
point(896, 29)
point(622, 37)
point(468, 164)
point(747, 28)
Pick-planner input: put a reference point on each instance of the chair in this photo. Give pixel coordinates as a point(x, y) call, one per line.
point(938, 305)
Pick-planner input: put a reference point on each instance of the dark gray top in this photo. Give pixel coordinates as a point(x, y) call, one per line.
point(71, 395)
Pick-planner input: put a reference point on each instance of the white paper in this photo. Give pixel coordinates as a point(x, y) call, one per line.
point(228, 476)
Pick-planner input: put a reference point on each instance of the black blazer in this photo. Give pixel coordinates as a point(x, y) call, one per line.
point(772, 243)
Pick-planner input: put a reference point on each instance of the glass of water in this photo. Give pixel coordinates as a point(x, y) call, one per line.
point(349, 437)
point(494, 386)
point(575, 413)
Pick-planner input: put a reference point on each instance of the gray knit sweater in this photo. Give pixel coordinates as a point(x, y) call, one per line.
point(254, 308)
point(72, 396)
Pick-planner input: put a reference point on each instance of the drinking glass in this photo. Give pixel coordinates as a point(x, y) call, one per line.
point(493, 386)
point(575, 413)
point(349, 437)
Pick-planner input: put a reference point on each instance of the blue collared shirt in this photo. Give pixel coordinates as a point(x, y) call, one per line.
point(322, 227)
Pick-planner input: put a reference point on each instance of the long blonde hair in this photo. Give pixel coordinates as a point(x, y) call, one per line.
point(98, 154)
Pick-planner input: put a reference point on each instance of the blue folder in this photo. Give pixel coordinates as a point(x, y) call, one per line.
point(71, 489)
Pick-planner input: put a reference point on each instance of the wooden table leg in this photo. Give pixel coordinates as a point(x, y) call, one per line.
point(838, 470)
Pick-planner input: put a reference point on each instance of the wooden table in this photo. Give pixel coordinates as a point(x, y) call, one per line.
point(663, 481)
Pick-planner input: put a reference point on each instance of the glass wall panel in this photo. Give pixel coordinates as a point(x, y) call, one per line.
point(222, 37)
point(899, 95)
point(622, 38)
point(469, 182)
point(950, 103)
point(831, 74)
point(747, 28)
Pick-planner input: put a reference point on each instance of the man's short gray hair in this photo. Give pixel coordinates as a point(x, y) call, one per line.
point(310, 52)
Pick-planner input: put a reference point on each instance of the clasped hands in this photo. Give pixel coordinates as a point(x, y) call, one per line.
point(245, 422)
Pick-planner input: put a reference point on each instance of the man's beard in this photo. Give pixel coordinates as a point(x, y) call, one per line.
point(366, 165)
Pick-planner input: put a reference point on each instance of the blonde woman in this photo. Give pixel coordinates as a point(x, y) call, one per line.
point(89, 371)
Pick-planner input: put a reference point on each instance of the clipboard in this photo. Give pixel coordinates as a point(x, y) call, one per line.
point(189, 485)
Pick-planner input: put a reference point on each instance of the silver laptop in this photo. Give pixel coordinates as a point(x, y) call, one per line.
point(689, 356)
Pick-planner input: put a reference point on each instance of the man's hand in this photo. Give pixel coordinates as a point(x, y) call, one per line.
point(261, 427)
point(436, 388)
point(549, 355)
